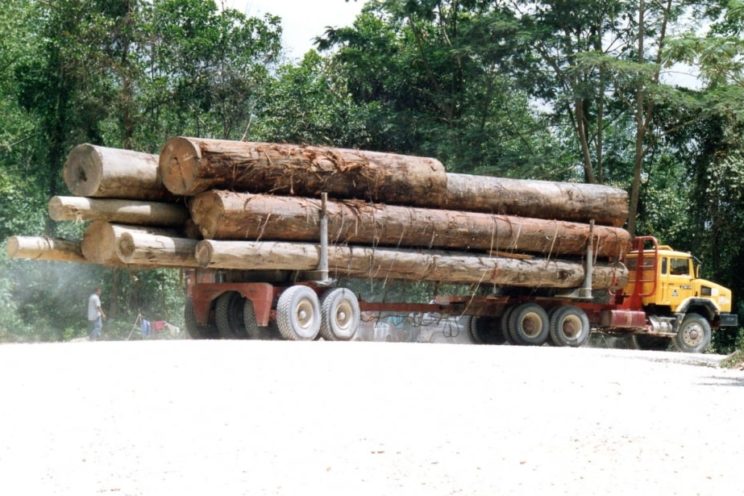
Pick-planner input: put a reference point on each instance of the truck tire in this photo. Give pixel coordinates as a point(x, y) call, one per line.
point(228, 314)
point(340, 315)
point(249, 321)
point(195, 330)
point(298, 314)
point(569, 326)
point(486, 330)
point(693, 335)
point(529, 324)
point(509, 336)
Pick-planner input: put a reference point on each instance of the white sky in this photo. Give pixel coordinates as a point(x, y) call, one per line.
point(302, 20)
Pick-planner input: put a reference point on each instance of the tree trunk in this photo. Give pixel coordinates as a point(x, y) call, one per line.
point(191, 165)
point(100, 239)
point(244, 216)
point(156, 251)
point(76, 208)
point(532, 198)
point(405, 264)
point(44, 248)
point(112, 173)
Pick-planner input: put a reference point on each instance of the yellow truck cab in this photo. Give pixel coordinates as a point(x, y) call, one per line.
point(665, 284)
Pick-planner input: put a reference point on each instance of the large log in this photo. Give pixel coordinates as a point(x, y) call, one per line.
point(532, 198)
point(150, 250)
point(381, 263)
point(100, 239)
point(245, 216)
point(113, 173)
point(76, 208)
point(45, 248)
point(192, 165)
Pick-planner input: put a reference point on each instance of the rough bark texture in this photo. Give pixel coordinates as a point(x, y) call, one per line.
point(100, 239)
point(227, 215)
point(113, 173)
point(76, 208)
point(385, 263)
point(156, 251)
point(542, 199)
point(191, 165)
point(44, 248)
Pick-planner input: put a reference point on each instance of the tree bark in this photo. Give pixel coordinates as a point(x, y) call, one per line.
point(100, 239)
point(385, 263)
point(113, 173)
point(76, 208)
point(532, 198)
point(244, 216)
point(45, 248)
point(149, 250)
point(191, 165)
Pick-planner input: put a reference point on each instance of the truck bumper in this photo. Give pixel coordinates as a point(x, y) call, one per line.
point(729, 320)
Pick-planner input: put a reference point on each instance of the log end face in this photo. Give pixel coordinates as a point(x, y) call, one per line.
point(203, 253)
point(178, 165)
point(12, 246)
point(125, 247)
point(82, 171)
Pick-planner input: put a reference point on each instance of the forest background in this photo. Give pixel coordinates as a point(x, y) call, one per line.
point(573, 90)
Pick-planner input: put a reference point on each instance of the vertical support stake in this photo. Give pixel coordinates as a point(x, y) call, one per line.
point(586, 288)
point(323, 265)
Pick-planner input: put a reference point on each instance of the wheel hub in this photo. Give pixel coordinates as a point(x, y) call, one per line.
point(531, 324)
point(343, 315)
point(693, 335)
point(305, 313)
point(571, 326)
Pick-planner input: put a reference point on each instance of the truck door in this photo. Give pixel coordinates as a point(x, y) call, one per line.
point(677, 283)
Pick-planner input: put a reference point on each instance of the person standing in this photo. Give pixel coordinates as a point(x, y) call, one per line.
point(95, 315)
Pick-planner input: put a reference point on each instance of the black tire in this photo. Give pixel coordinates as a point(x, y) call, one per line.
point(340, 315)
point(569, 326)
point(529, 324)
point(249, 321)
point(650, 343)
point(195, 330)
point(693, 335)
point(228, 315)
point(505, 327)
point(298, 314)
point(486, 330)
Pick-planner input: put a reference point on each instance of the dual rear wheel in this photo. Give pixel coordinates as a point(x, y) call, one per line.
point(531, 325)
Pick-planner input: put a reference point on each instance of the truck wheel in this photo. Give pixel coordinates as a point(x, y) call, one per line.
point(486, 330)
point(228, 314)
point(249, 321)
point(569, 326)
point(340, 315)
point(298, 314)
point(528, 324)
point(195, 330)
point(509, 336)
point(649, 343)
point(693, 335)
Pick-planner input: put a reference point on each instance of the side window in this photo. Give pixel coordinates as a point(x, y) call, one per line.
point(680, 267)
point(664, 265)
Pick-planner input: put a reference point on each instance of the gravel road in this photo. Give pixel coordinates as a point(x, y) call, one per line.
point(233, 418)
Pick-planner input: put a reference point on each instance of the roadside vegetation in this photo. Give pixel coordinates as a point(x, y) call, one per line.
point(581, 91)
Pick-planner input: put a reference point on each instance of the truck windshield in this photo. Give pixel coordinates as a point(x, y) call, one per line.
point(680, 267)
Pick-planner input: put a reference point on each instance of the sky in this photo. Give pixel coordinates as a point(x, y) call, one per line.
point(302, 20)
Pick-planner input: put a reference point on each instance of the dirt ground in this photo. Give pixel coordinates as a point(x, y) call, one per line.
point(233, 418)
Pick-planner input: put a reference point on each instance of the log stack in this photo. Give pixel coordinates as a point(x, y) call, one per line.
point(257, 207)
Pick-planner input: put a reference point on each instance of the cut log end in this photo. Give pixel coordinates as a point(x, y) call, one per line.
point(179, 163)
point(83, 171)
point(125, 247)
point(204, 254)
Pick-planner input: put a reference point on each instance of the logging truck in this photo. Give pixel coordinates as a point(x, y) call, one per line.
point(663, 300)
